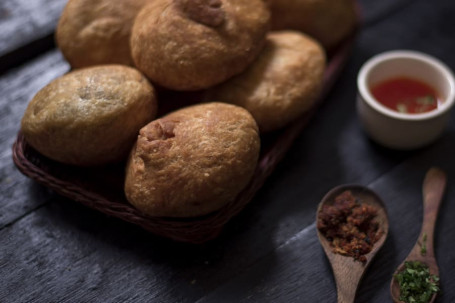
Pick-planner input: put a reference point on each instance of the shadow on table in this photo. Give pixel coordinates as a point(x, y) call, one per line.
point(185, 272)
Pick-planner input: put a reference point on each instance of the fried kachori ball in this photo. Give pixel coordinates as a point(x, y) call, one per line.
point(328, 21)
point(97, 32)
point(193, 161)
point(281, 84)
point(90, 116)
point(195, 44)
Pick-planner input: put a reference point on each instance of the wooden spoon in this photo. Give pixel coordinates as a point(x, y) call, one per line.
point(346, 270)
point(433, 190)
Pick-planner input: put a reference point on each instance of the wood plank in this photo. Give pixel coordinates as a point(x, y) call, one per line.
point(376, 11)
point(27, 30)
point(72, 257)
point(20, 195)
point(24, 21)
point(298, 269)
point(65, 252)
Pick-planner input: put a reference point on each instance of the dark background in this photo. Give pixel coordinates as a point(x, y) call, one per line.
point(54, 250)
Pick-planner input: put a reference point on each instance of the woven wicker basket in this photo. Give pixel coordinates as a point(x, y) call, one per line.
point(102, 188)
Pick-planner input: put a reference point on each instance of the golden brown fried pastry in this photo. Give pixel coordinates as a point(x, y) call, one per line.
point(92, 32)
point(192, 161)
point(194, 44)
point(328, 21)
point(90, 116)
point(281, 84)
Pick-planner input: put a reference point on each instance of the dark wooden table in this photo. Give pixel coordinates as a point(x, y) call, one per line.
point(53, 249)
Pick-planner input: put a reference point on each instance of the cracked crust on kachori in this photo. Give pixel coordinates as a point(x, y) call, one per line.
point(192, 161)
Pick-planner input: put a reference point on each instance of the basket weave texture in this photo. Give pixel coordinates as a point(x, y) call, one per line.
point(102, 188)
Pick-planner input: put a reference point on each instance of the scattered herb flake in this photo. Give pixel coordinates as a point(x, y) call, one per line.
point(402, 108)
point(426, 100)
point(416, 283)
point(423, 108)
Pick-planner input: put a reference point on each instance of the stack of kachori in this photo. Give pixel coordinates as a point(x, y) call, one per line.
point(258, 65)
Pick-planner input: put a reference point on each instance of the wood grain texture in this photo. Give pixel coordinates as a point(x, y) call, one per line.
point(27, 30)
point(298, 270)
point(20, 195)
point(23, 21)
point(55, 250)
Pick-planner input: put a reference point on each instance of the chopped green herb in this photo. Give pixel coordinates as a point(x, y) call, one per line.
point(422, 108)
point(402, 108)
point(426, 100)
point(423, 246)
point(416, 283)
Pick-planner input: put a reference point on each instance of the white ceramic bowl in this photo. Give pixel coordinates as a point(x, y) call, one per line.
point(403, 130)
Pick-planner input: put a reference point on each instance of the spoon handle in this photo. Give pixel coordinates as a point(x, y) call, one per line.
point(347, 281)
point(433, 189)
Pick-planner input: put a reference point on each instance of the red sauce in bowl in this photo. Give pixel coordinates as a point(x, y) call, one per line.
point(406, 95)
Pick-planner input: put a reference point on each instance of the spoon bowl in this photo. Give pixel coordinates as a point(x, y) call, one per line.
point(347, 271)
point(433, 190)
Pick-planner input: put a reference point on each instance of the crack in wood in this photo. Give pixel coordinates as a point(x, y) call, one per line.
point(24, 215)
point(26, 53)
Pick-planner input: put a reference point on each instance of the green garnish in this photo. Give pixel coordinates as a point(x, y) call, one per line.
point(423, 246)
point(422, 109)
point(416, 283)
point(402, 108)
point(426, 100)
